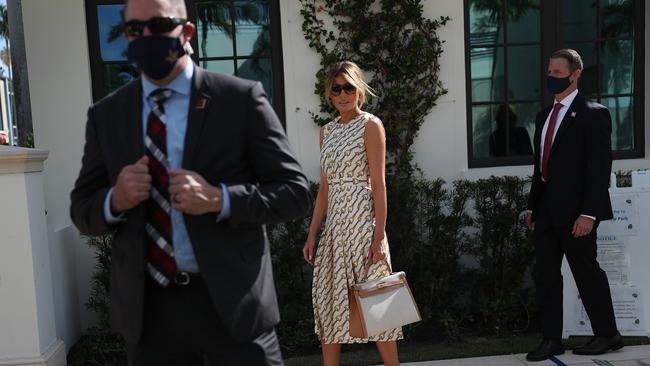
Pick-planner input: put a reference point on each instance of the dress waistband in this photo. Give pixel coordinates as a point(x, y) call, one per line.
point(349, 180)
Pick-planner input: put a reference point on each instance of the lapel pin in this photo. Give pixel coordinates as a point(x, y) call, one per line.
point(201, 103)
point(573, 114)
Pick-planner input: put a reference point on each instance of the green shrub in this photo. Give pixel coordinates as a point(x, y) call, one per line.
point(425, 232)
point(100, 346)
point(293, 284)
point(502, 246)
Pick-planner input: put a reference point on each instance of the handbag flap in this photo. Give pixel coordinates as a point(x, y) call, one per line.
point(395, 279)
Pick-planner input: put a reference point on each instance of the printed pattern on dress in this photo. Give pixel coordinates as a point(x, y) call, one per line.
point(342, 251)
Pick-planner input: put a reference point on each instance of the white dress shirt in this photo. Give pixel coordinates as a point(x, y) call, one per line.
point(566, 103)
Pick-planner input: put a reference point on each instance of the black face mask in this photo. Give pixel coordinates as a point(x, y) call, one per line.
point(557, 85)
point(156, 55)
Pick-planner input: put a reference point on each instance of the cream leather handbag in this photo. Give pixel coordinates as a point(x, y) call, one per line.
point(381, 304)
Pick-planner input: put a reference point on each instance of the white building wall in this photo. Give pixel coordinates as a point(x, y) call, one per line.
point(20, 312)
point(60, 91)
point(441, 146)
point(300, 66)
point(27, 317)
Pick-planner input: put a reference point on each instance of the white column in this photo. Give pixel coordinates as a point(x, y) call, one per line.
point(27, 324)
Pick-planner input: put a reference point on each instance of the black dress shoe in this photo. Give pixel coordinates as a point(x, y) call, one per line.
point(600, 345)
point(546, 349)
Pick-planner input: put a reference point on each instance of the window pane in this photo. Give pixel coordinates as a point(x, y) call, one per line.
point(579, 19)
point(252, 26)
point(525, 114)
point(222, 66)
point(618, 18)
point(259, 69)
point(112, 43)
point(523, 21)
point(622, 112)
point(511, 136)
point(588, 83)
point(483, 125)
point(524, 72)
point(618, 67)
point(487, 74)
point(214, 28)
point(485, 22)
point(116, 75)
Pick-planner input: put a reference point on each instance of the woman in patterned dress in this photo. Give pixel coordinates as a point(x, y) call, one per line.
point(352, 195)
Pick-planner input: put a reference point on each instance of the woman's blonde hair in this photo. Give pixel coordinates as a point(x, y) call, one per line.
point(353, 75)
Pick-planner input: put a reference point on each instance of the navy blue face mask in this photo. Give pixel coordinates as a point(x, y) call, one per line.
point(557, 85)
point(156, 55)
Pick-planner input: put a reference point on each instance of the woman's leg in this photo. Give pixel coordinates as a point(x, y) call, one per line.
point(388, 353)
point(331, 354)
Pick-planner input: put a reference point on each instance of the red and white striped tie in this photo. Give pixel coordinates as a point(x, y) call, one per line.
point(160, 251)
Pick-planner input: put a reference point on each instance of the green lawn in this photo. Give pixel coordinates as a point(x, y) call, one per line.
point(423, 351)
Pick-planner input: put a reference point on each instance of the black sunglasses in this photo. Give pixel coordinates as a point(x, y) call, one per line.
point(347, 87)
point(156, 25)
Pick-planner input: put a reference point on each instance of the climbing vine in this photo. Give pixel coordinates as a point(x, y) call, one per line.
point(399, 51)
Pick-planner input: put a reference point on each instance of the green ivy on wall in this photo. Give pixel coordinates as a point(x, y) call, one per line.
point(399, 51)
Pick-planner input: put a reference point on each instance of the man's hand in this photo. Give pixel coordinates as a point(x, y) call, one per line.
point(582, 226)
point(132, 186)
point(193, 195)
point(529, 221)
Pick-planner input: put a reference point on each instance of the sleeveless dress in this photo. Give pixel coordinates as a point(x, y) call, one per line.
point(343, 248)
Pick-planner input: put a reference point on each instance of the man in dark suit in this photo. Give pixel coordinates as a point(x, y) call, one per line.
point(568, 198)
point(186, 167)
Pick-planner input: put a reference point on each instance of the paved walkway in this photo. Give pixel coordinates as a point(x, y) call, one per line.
point(628, 356)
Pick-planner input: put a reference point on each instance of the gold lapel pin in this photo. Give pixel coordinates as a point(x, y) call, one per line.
point(573, 114)
point(201, 103)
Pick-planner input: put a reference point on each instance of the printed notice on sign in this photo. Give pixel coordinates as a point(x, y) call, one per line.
point(614, 258)
point(628, 305)
point(626, 216)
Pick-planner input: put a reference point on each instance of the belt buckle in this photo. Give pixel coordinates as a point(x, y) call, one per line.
point(182, 278)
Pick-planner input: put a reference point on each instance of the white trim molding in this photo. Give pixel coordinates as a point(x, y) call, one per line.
point(21, 160)
point(54, 356)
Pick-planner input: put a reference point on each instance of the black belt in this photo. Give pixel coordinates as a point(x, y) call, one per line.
point(182, 278)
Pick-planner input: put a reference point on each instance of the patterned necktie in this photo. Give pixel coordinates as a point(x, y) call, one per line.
point(160, 251)
point(548, 139)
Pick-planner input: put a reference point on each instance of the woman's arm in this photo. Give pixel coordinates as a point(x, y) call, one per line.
point(319, 214)
point(375, 140)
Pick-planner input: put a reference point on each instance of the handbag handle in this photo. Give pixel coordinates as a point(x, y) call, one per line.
point(367, 268)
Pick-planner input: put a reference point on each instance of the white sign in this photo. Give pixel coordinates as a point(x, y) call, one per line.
point(626, 216)
point(614, 259)
point(628, 307)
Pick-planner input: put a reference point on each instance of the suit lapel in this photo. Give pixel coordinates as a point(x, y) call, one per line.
point(568, 119)
point(199, 103)
point(133, 120)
